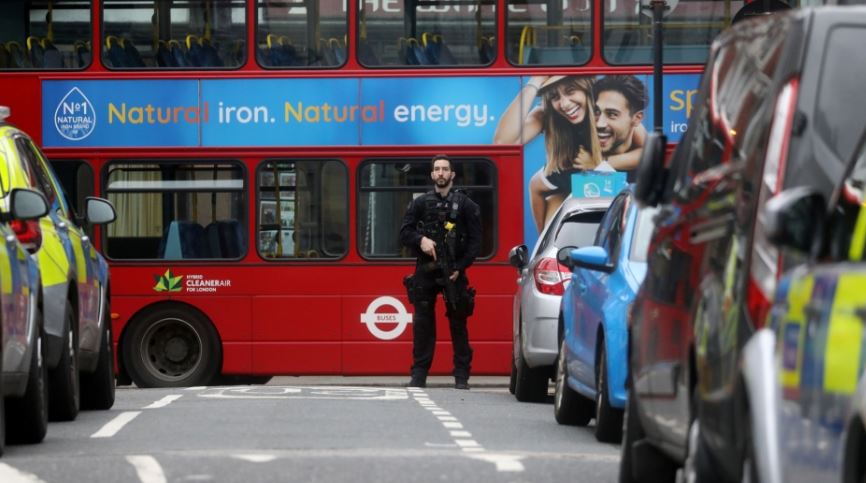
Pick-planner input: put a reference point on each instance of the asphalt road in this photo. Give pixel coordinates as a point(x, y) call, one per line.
point(314, 433)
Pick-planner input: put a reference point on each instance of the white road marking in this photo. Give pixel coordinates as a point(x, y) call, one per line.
point(196, 388)
point(441, 413)
point(164, 401)
point(147, 468)
point(467, 443)
point(503, 462)
point(452, 425)
point(9, 474)
point(461, 434)
point(112, 427)
point(446, 418)
point(256, 458)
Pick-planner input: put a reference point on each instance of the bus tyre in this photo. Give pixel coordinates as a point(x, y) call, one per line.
point(28, 415)
point(608, 420)
point(171, 346)
point(569, 407)
point(64, 392)
point(97, 388)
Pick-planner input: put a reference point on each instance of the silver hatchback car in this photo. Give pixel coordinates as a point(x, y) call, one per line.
point(541, 283)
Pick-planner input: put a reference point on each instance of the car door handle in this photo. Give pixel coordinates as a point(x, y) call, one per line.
point(10, 239)
point(62, 226)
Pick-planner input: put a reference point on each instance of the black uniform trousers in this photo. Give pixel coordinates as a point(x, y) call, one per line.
point(424, 328)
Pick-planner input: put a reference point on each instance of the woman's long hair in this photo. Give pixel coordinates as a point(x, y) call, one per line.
point(562, 138)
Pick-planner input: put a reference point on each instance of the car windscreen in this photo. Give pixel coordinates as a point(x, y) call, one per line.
point(578, 230)
point(643, 231)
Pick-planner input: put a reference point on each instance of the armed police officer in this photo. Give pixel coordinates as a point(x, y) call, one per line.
point(443, 227)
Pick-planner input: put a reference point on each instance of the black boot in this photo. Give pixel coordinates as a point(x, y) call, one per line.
point(460, 383)
point(417, 381)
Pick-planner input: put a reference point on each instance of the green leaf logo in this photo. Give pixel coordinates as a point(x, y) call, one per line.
point(168, 282)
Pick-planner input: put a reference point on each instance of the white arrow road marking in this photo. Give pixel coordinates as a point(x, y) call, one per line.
point(196, 388)
point(164, 401)
point(503, 462)
point(256, 458)
point(112, 427)
point(9, 474)
point(148, 468)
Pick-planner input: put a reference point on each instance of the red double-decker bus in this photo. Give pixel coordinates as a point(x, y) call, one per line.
point(260, 155)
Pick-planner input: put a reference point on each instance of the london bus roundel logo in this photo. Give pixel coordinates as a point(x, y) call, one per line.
point(74, 117)
point(399, 317)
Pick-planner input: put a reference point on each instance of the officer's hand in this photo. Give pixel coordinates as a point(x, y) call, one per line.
point(428, 246)
point(454, 275)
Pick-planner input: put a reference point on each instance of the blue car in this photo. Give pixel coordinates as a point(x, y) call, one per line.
point(592, 363)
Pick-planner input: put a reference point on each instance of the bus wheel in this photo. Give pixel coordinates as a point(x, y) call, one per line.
point(171, 347)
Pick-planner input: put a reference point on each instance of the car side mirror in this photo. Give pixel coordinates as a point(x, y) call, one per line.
point(651, 173)
point(99, 211)
point(28, 204)
point(795, 218)
point(563, 256)
point(518, 257)
point(592, 258)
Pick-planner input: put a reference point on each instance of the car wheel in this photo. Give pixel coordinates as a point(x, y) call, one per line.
point(63, 389)
point(530, 384)
point(512, 380)
point(97, 389)
point(569, 407)
point(608, 420)
point(632, 433)
point(638, 466)
point(28, 415)
point(172, 347)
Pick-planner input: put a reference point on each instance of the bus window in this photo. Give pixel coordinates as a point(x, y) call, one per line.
point(387, 187)
point(174, 211)
point(195, 34)
point(309, 33)
point(42, 34)
point(553, 32)
point(303, 209)
point(689, 29)
point(428, 33)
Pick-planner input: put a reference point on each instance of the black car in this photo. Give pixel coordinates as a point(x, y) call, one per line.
point(780, 105)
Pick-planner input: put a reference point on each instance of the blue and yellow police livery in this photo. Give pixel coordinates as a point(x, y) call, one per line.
point(809, 400)
point(75, 283)
point(23, 371)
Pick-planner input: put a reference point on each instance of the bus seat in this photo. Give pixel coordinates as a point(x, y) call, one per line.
point(132, 56)
point(209, 55)
point(35, 51)
point(51, 57)
point(438, 52)
point(163, 55)
point(4, 57)
point(231, 238)
point(366, 55)
point(178, 54)
point(193, 51)
point(17, 56)
point(239, 52)
point(414, 53)
point(117, 56)
point(81, 50)
point(212, 235)
point(486, 50)
point(184, 239)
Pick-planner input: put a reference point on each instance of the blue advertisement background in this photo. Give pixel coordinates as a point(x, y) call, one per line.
point(486, 98)
point(135, 93)
point(307, 97)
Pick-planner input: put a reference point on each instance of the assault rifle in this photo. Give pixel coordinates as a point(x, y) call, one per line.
point(443, 233)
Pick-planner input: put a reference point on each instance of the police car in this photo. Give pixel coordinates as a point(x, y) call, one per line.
point(23, 371)
point(75, 281)
point(805, 373)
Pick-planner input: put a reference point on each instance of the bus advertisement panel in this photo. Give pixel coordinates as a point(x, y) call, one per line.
point(417, 111)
